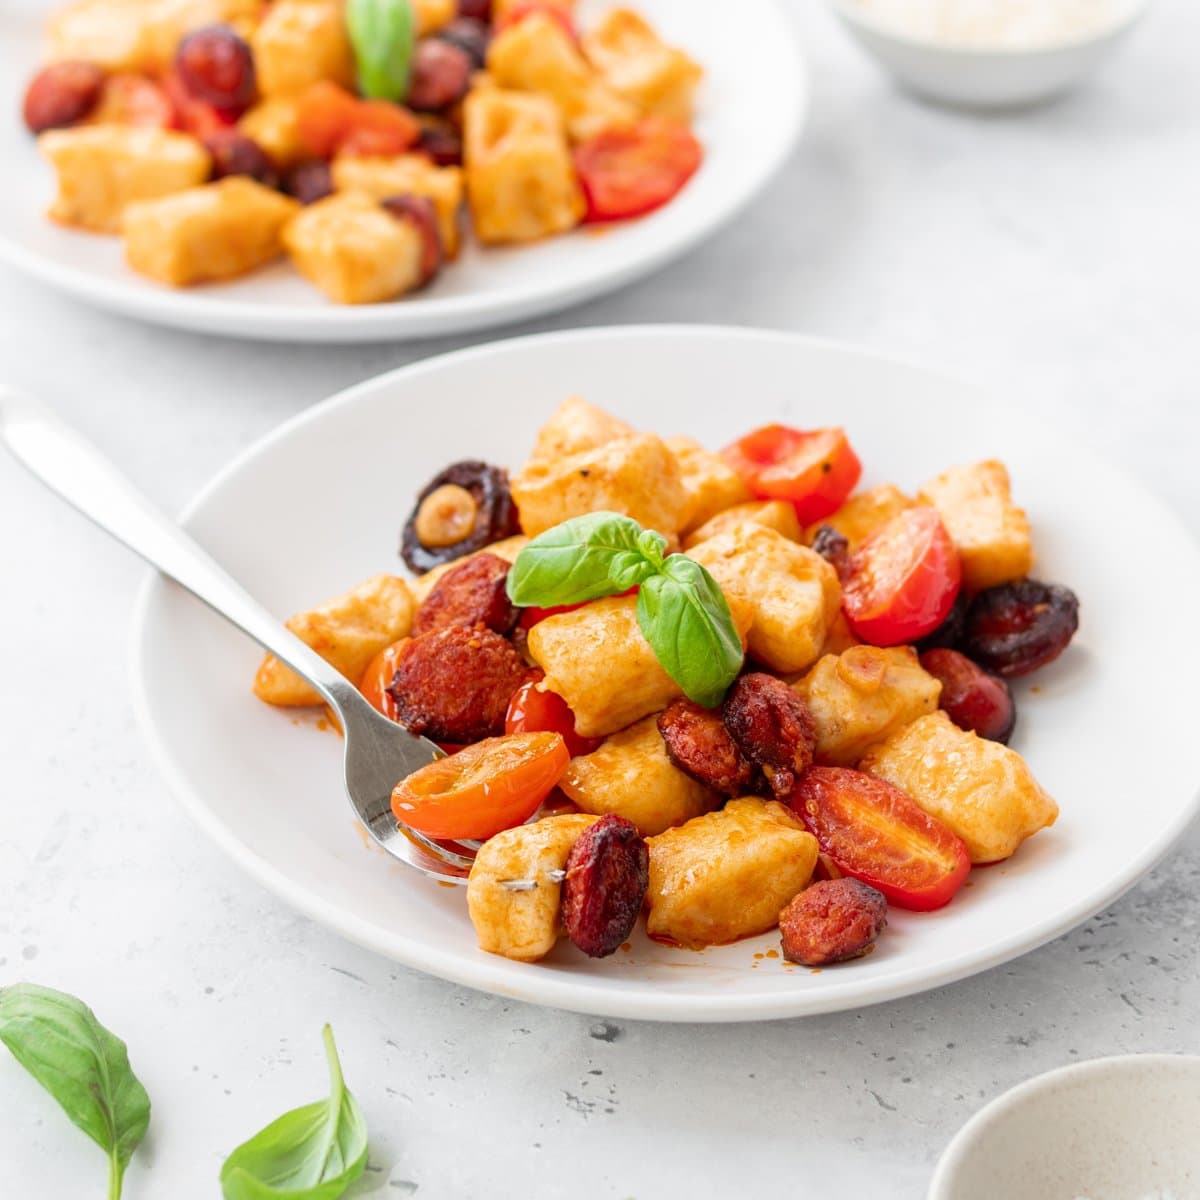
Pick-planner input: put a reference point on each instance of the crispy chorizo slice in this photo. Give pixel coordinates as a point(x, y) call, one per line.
point(832, 921)
point(473, 593)
point(772, 726)
point(454, 684)
point(699, 744)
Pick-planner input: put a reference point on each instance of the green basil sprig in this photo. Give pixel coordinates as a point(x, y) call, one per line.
point(383, 34)
point(59, 1041)
point(681, 610)
point(311, 1153)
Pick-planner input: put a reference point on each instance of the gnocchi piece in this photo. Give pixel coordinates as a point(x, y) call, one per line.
point(637, 64)
point(631, 775)
point(635, 475)
point(137, 35)
point(347, 632)
point(577, 425)
point(774, 514)
point(863, 695)
point(991, 533)
point(507, 549)
point(983, 791)
point(863, 513)
point(597, 660)
point(840, 637)
point(727, 875)
point(711, 484)
point(522, 925)
point(274, 123)
point(301, 42)
point(521, 183)
point(793, 593)
point(407, 173)
point(353, 250)
point(216, 231)
point(538, 55)
point(103, 168)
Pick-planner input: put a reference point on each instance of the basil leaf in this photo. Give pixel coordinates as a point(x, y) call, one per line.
point(685, 617)
point(383, 34)
point(585, 558)
point(311, 1153)
point(58, 1040)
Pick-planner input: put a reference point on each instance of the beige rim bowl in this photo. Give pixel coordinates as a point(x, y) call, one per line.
point(1124, 1128)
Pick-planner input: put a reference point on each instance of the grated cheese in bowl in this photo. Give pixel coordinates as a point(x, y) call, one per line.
point(996, 24)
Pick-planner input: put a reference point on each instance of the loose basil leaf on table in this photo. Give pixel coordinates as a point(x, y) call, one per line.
point(311, 1153)
point(59, 1041)
point(585, 558)
point(383, 34)
point(685, 617)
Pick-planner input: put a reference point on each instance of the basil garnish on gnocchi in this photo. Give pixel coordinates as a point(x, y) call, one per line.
point(723, 688)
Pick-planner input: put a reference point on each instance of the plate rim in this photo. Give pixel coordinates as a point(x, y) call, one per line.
point(408, 320)
point(568, 993)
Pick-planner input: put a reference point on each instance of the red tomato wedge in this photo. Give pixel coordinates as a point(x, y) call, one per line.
point(492, 785)
point(815, 469)
point(379, 128)
point(874, 832)
point(631, 170)
point(531, 711)
point(323, 116)
point(902, 580)
point(193, 116)
point(380, 672)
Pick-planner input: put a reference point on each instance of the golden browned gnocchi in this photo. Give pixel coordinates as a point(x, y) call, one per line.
point(727, 875)
point(347, 631)
point(522, 923)
point(631, 775)
point(862, 695)
point(983, 791)
point(778, 515)
point(792, 593)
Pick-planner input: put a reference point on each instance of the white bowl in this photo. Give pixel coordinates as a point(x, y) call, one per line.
point(1111, 1129)
point(985, 77)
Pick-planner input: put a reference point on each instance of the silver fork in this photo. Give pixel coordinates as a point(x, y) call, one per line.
point(378, 751)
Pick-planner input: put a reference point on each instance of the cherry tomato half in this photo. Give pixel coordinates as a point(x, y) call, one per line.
point(492, 785)
point(902, 581)
point(197, 117)
point(380, 128)
point(630, 170)
point(323, 115)
point(531, 711)
point(874, 832)
point(815, 469)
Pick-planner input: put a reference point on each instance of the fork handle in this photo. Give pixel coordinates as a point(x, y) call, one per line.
point(80, 474)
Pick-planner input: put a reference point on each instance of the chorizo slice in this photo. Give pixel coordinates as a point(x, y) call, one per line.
point(472, 593)
point(454, 684)
point(831, 922)
point(699, 745)
point(772, 726)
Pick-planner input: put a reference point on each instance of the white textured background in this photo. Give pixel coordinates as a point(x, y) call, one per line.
point(1052, 255)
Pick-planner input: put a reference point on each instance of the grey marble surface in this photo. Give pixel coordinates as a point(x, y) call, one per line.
point(1052, 254)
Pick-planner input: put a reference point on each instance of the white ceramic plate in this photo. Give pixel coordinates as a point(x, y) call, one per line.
point(750, 110)
point(1110, 1129)
point(318, 505)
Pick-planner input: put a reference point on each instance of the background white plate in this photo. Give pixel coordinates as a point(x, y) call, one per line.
point(751, 108)
point(317, 506)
